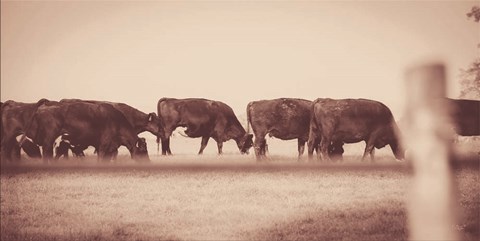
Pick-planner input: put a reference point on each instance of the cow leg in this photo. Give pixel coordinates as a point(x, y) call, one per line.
point(311, 148)
point(301, 147)
point(259, 146)
point(166, 140)
point(203, 144)
point(114, 154)
point(368, 150)
point(47, 150)
point(220, 147)
point(313, 144)
point(324, 144)
point(166, 146)
point(9, 150)
point(169, 152)
point(57, 153)
point(264, 147)
point(104, 154)
point(317, 147)
point(15, 153)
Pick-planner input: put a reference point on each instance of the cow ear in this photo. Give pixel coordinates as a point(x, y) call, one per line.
point(250, 137)
point(151, 116)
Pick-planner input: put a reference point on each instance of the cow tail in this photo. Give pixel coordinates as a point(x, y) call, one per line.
point(161, 122)
point(249, 117)
point(29, 124)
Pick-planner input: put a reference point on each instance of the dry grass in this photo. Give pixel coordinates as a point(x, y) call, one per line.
point(87, 201)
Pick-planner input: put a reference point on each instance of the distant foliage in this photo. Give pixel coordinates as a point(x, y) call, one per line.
point(474, 13)
point(470, 77)
point(470, 81)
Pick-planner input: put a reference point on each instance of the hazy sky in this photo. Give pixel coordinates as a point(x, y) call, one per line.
point(236, 52)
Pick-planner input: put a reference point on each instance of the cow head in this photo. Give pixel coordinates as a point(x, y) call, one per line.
point(335, 150)
point(245, 143)
point(153, 124)
point(140, 150)
point(395, 143)
point(398, 150)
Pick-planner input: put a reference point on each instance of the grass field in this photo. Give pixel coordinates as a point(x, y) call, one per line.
point(216, 198)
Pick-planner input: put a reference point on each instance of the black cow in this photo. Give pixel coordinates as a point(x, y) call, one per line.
point(98, 125)
point(139, 120)
point(351, 121)
point(465, 115)
point(202, 118)
point(15, 116)
point(285, 119)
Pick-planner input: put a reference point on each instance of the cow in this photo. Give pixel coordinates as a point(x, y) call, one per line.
point(465, 116)
point(283, 118)
point(202, 118)
point(15, 116)
point(139, 120)
point(87, 124)
point(64, 146)
point(351, 121)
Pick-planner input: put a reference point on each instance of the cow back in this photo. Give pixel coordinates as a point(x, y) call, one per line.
point(284, 118)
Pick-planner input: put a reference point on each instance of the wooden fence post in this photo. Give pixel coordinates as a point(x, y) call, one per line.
point(432, 204)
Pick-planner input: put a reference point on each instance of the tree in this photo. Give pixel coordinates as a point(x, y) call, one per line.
point(470, 77)
point(470, 81)
point(475, 13)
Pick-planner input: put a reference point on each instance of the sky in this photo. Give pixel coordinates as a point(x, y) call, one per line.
point(235, 52)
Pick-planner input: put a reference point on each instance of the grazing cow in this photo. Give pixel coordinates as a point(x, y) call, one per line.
point(98, 125)
point(351, 121)
point(15, 116)
point(283, 118)
point(202, 118)
point(465, 115)
point(139, 120)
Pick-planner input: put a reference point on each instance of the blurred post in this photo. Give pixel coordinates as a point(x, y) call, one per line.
point(432, 207)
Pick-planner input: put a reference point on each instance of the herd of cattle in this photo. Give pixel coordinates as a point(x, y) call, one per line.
point(325, 124)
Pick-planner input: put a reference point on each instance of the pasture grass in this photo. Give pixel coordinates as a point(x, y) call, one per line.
point(84, 200)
